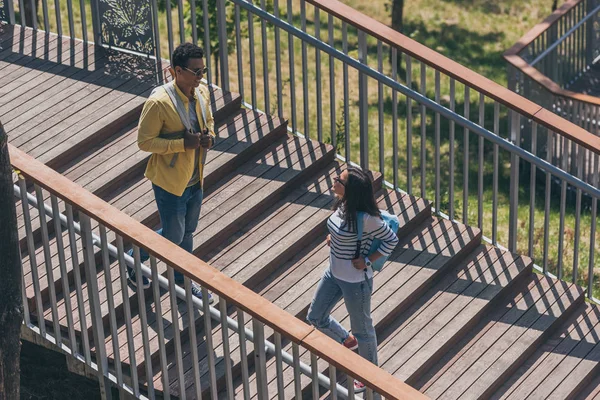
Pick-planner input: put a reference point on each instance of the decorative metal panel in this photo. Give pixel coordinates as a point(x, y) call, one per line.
point(127, 24)
point(4, 13)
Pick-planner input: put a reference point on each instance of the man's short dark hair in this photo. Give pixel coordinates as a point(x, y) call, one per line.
point(183, 53)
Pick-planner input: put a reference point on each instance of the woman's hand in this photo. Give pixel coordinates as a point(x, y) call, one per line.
point(329, 240)
point(359, 263)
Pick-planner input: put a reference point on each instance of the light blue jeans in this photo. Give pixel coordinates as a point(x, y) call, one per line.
point(357, 297)
point(179, 217)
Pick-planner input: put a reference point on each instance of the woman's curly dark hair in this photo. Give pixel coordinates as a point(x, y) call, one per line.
point(358, 196)
point(183, 53)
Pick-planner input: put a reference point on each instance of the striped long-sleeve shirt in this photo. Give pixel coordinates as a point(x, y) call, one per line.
point(344, 241)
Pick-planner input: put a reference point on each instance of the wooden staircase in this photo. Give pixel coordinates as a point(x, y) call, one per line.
point(455, 318)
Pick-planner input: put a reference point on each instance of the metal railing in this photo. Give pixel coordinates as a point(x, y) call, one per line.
point(97, 234)
point(545, 63)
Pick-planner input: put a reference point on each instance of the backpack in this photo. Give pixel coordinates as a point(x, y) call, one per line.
point(391, 220)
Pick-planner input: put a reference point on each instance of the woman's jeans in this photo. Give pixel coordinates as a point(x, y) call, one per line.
point(357, 297)
point(179, 217)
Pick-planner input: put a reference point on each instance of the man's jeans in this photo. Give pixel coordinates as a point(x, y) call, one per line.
point(179, 217)
point(357, 297)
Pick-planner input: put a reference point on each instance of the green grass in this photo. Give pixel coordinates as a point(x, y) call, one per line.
point(471, 32)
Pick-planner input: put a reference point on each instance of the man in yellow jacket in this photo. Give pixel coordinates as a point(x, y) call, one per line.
point(177, 127)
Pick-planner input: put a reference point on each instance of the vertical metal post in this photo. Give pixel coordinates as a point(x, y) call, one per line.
point(589, 35)
point(278, 63)
point(332, 382)
point(260, 359)
point(252, 60)
point(96, 24)
point(290, 17)
point(466, 159)
point(409, 122)
point(363, 101)
point(59, 30)
point(590, 288)
point(210, 348)
point(495, 176)
point(11, 11)
point(332, 103)
point(437, 195)
point(223, 49)
point(423, 132)
point(314, 368)
point(319, 103)
point(305, 77)
point(244, 353)
point(161, 332)
point(346, 93)
point(176, 331)
point(239, 49)
point(278, 366)
point(395, 118)
point(532, 188)
point(481, 166)
point(194, 22)
point(380, 114)
point(206, 30)
point(94, 303)
point(226, 349)
point(515, 135)
point(451, 155)
point(69, 16)
point(156, 35)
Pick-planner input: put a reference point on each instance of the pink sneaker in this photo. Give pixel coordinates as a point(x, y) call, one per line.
point(351, 342)
point(359, 387)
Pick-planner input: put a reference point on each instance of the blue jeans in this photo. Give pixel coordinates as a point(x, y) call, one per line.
point(179, 217)
point(357, 297)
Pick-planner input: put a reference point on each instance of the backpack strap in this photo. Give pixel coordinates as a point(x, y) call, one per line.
point(360, 216)
point(183, 115)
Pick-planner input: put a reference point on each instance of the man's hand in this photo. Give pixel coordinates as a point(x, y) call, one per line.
point(329, 240)
point(206, 140)
point(359, 263)
point(191, 140)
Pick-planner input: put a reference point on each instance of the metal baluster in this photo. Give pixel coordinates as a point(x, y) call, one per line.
point(304, 70)
point(318, 77)
point(48, 263)
point(238, 41)
point(437, 146)
point(170, 28)
point(94, 304)
point(210, 349)
point(380, 109)
point(22, 14)
point(47, 27)
point(332, 104)
point(467, 112)
point(409, 122)
point(59, 30)
point(195, 22)
point(111, 305)
point(177, 333)
point(515, 131)
point(181, 26)
point(532, 187)
point(550, 149)
point(423, 131)
point(495, 177)
point(63, 269)
point(144, 321)
point(244, 353)
point(451, 155)
point(577, 218)
point(207, 49)
point(226, 351)
point(346, 92)
point(290, 17)
point(480, 169)
point(164, 362)
point(260, 359)
point(25, 300)
point(278, 63)
point(395, 118)
point(297, 381)
point(127, 314)
point(332, 382)
point(34, 17)
point(314, 366)
point(279, 367)
point(350, 385)
point(251, 46)
point(78, 288)
point(590, 288)
point(265, 60)
point(157, 50)
point(32, 258)
point(563, 201)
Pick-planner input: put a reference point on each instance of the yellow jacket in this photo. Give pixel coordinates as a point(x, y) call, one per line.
point(159, 115)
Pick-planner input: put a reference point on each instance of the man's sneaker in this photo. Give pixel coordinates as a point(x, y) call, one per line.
point(359, 387)
point(351, 342)
point(133, 279)
point(197, 291)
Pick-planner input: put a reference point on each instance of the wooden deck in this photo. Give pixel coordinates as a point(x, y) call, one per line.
point(455, 318)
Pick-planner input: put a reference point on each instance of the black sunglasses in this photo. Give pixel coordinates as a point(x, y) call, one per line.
point(197, 72)
point(340, 181)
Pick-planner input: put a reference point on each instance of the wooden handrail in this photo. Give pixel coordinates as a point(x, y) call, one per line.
point(512, 56)
point(459, 72)
point(209, 277)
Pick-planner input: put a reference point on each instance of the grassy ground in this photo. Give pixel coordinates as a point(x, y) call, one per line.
point(471, 32)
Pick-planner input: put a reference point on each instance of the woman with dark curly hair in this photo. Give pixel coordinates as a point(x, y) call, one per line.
point(350, 274)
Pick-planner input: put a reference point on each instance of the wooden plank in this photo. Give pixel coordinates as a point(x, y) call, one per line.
point(474, 367)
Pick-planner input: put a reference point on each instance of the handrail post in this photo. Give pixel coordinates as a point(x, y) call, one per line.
point(96, 23)
point(89, 261)
point(10, 9)
point(363, 100)
point(223, 52)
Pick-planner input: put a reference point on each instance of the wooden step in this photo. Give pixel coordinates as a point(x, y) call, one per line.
point(565, 365)
point(240, 123)
point(288, 162)
point(421, 335)
point(484, 359)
